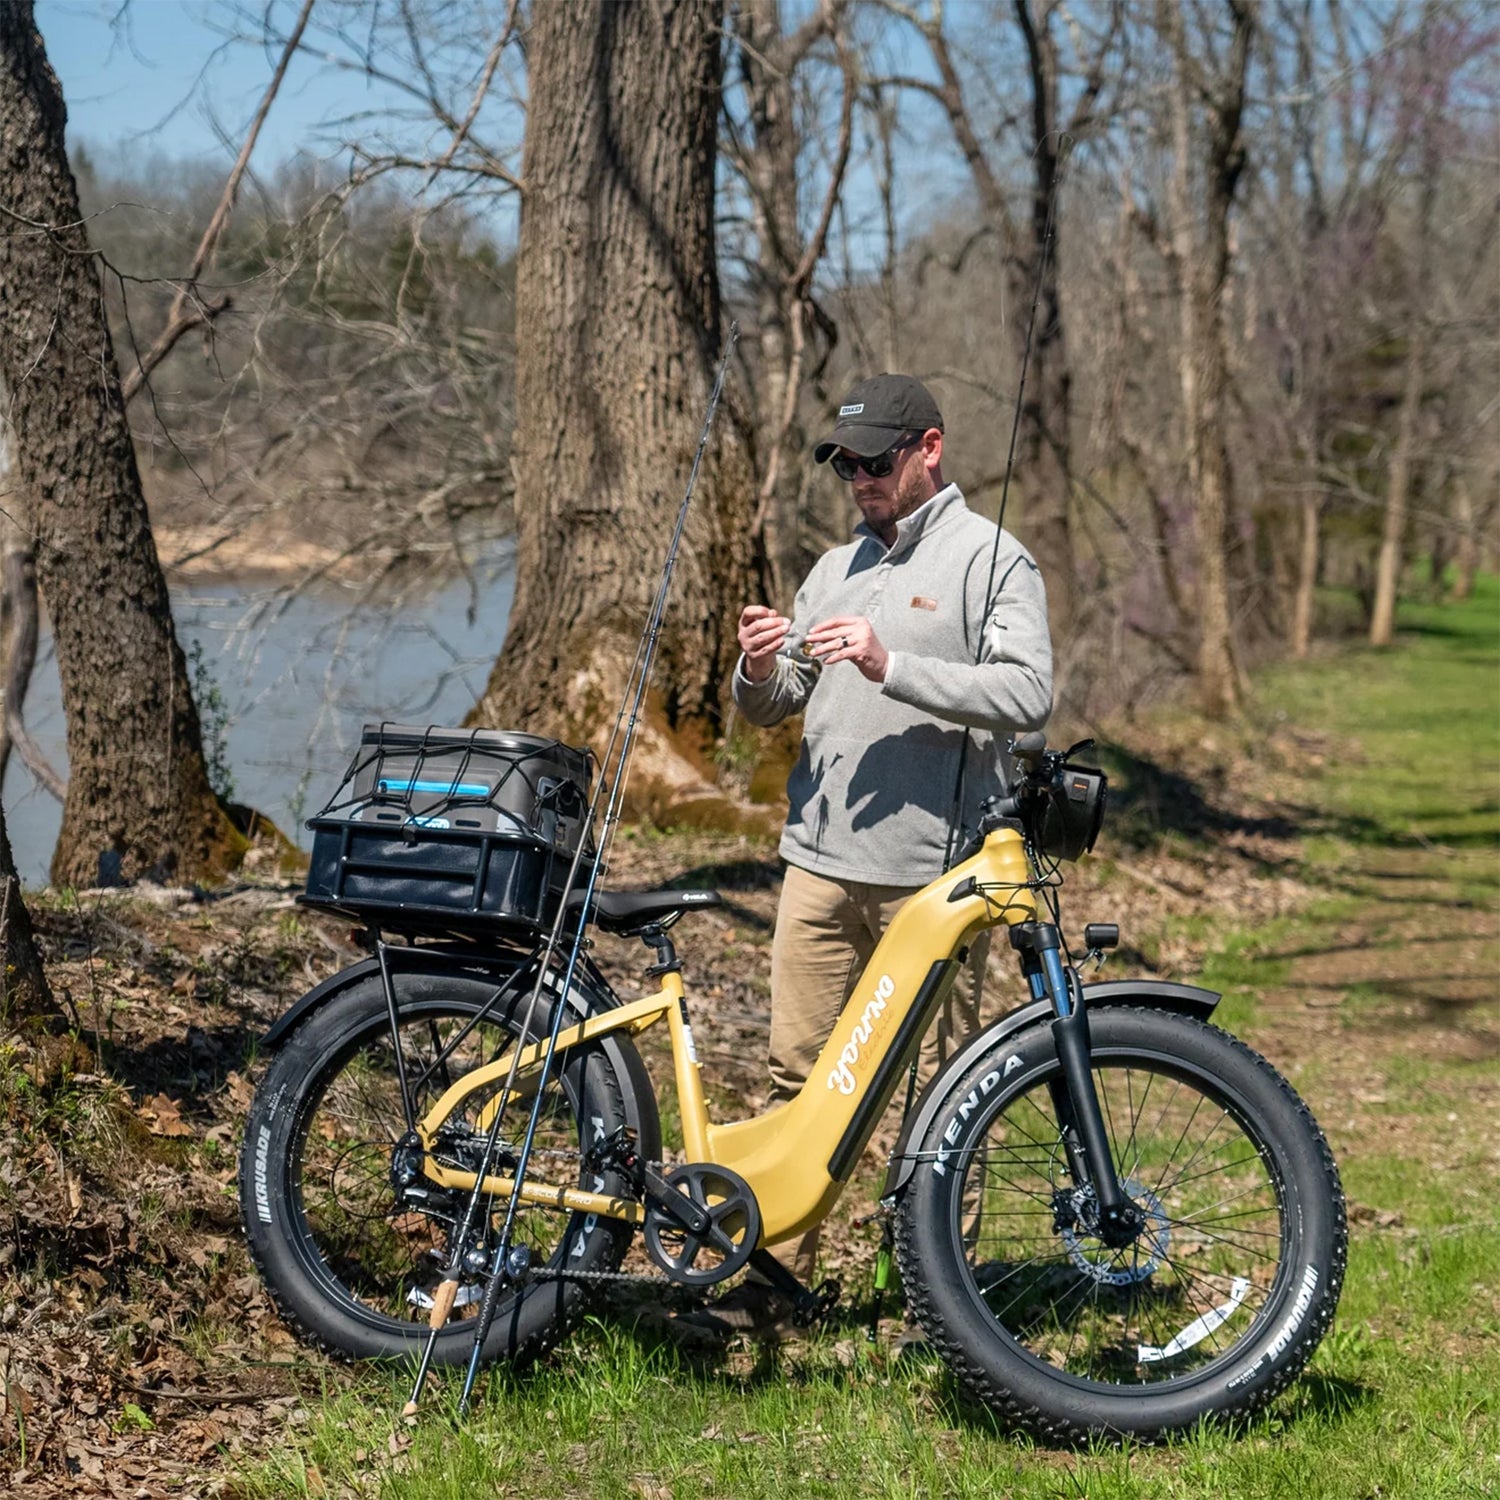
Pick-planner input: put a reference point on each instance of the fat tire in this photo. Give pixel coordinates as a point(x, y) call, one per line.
point(993, 1367)
point(306, 1290)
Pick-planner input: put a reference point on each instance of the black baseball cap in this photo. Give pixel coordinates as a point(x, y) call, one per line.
point(876, 412)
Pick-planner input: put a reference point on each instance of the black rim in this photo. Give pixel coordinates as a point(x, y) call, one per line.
point(353, 1241)
point(1197, 1286)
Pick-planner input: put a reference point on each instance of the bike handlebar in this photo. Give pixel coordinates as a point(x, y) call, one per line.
point(1028, 796)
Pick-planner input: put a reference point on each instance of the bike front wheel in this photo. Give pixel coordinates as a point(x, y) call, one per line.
point(1222, 1289)
point(352, 1256)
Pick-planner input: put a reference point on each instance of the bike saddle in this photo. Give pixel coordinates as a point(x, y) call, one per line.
point(629, 913)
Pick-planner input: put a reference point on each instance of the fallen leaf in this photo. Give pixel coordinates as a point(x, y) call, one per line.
point(163, 1116)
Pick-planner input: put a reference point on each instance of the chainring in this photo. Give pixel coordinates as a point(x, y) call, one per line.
point(732, 1235)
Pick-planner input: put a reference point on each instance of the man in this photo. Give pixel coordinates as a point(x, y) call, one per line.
point(899, 641)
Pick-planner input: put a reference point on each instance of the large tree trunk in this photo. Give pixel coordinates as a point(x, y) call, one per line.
point(139, 800)
point(617, 334)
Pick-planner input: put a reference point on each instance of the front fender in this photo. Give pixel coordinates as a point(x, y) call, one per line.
point(1159, 994)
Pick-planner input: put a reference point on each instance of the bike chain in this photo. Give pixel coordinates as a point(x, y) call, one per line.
point(634, 1278)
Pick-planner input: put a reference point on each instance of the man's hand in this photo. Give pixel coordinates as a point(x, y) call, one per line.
point(762, 634)
point(849, 638)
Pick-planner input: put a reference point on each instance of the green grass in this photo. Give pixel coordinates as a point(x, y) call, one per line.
point(1401, 1400)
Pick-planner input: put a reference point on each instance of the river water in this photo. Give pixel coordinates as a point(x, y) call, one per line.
point(296, 680)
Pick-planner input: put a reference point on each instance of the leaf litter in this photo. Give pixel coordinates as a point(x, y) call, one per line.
point(139, 1354)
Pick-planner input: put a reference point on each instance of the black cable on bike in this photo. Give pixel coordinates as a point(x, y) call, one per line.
point(955, 817)
point(634, 695)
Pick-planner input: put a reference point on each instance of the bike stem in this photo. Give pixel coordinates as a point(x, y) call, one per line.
point(1040, 947)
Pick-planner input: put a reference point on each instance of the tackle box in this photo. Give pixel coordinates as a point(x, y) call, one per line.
point(435, 827)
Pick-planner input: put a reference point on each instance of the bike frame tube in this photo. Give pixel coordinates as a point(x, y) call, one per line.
point(797, 1156)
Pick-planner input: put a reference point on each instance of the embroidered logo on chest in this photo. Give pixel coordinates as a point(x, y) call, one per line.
point(918, 602)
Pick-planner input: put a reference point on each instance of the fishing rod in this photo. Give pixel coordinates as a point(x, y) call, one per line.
point(510, 1264)
point(955, 817)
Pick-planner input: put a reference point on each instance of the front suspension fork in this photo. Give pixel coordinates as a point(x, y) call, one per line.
point(1075, 1098)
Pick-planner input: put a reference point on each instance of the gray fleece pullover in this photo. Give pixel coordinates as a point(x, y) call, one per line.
point(872, 791)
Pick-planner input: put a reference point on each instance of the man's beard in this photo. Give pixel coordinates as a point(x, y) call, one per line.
point(911, 491)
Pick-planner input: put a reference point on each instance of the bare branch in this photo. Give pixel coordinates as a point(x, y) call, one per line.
point(189, 310)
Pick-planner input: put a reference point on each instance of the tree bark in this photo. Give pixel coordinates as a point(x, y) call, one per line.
point(139, 800)
point(1397, 495)
point(1466, 560)
point(1307, 575)
point(24, 992)
point(1201, 256)
point(617, 335)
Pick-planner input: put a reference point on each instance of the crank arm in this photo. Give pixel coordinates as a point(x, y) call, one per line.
point(677, 1206)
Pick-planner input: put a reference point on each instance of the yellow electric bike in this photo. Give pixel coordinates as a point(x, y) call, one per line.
point(1109, 1215)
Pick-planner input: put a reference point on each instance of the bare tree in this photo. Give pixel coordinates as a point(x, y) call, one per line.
point(1044, 464)
point(138, 798)
point(1429, 83)
point(766, 142)
point(1205, 93)
point(617, 331)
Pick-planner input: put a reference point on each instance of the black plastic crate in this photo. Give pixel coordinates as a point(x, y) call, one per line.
point(451, 827)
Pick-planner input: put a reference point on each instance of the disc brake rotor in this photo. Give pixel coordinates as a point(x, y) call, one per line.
point(1112, 1267)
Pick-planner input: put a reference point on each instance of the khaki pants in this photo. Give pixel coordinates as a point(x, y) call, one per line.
point(826, 931)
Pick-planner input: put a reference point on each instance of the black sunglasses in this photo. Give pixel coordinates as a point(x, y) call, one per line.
point(878, 466)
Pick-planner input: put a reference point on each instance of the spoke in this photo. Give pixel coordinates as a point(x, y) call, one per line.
point(1172, 1154)
point(994, 1175)
point(1208, 1208)
point(1217, 1168)
point(1192, 1161)
point(1109, 1116)
point(1249, 1251)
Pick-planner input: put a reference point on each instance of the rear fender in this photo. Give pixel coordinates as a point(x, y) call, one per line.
point(1158, 994)
point(590, 995)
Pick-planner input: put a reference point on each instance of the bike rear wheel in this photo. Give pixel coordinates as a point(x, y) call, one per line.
point(351, 1262)
point(1212, 1305)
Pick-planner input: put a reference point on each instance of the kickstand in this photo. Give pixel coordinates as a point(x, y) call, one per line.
point(883, 1258)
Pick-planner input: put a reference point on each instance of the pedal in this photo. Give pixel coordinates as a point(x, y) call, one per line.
point(813, 1306)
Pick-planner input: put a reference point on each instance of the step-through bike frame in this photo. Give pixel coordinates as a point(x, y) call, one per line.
point(797, 1156)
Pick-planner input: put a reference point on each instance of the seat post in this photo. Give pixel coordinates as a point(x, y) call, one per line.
point(655, 936)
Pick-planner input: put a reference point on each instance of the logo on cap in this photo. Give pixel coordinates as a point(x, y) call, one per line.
point(851, 411)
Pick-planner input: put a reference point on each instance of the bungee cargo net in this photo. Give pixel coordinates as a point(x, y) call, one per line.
point(436, 828)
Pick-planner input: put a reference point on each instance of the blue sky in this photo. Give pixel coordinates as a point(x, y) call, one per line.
point(159, 73)
point(167, 78)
